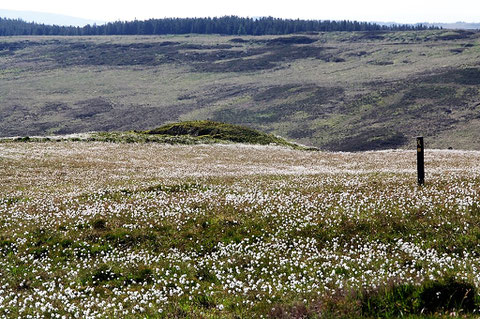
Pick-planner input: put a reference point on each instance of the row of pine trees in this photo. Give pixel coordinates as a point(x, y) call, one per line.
point(228, 25)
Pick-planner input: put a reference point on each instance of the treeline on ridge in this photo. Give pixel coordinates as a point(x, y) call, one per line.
point(228, 25)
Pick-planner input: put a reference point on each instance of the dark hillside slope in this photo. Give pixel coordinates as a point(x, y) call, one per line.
point(349, 91)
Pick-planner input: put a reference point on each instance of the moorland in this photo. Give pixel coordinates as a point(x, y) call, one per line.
point(92, 229)
point(196, 219)
point(348, 91)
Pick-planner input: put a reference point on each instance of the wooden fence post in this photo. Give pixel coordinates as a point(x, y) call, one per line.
point(420, 161)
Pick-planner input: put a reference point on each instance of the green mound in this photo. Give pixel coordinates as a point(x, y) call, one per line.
point(219, 131)
point(188, 133)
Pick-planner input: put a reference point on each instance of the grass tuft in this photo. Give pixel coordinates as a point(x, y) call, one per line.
point(441, 296)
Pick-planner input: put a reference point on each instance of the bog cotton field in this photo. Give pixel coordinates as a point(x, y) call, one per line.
point(103, 230)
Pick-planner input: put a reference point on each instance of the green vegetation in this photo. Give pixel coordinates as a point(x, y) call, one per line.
point(219, 131)
point(432, 297)
point(188, 133)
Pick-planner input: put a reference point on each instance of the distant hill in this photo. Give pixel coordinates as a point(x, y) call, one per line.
point(339, 91)
point(47, 18)
point(456, 25)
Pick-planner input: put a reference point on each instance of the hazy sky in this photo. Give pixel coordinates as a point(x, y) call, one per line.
point(403, 11)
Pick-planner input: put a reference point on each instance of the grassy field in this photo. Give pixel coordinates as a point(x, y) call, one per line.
point(349, 91)
point(119, 230)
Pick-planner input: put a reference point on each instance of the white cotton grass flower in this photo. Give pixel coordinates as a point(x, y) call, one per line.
point(301, 200)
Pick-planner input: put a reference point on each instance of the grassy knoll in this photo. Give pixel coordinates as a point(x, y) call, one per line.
point(127, 230)
point(187, 133)
point(338, 91)
point(219, 131)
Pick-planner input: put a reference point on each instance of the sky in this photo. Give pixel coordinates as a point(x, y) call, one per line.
point(401, 11)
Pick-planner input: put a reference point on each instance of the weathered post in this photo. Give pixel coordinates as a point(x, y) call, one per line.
point(420, 161)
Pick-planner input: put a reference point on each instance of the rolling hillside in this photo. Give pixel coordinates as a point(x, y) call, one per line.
point(348, 91)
